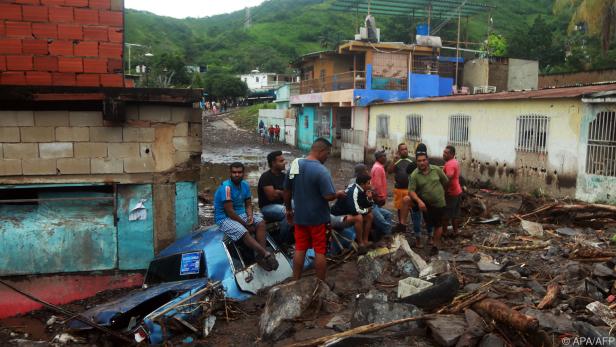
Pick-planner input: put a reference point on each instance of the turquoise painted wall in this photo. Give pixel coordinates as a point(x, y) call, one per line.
point(186, 208)
point(135, 238)
point(305, 127)
point(58, 236)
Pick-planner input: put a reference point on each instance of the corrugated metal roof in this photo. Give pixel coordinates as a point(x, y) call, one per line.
point(554, 93)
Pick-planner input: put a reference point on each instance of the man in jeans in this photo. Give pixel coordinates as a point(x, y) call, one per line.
point(382, 216)
point(355, 210)
point(270, 193)
point(233, 214)
point(309, 184)
point(427, 189)
point(454, 190)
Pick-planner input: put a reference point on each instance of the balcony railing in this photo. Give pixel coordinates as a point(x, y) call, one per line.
point(341, 81)
point(357, 137)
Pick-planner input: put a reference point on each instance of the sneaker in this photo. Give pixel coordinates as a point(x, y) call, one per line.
point(271, 261)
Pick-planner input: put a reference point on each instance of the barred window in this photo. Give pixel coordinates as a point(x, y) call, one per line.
point(413, 127)
point(459, 129)
point(382, 126)
point(601, 154)
point(532, 133)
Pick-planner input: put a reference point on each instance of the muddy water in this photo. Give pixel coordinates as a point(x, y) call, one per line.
point(215, 169)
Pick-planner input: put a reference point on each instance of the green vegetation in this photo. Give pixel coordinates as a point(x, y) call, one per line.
point(248, 117)
point(283, 30)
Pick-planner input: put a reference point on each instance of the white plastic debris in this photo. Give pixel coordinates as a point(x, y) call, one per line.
point(410, 286)
point(52, 320)
point(208, 325)
point(65, 338)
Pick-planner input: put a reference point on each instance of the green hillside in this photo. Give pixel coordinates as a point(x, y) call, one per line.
point(282, 30)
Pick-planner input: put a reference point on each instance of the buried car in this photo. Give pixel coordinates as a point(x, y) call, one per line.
point(183, 279)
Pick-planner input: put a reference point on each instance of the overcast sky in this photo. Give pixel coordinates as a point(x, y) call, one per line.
point(190, 8)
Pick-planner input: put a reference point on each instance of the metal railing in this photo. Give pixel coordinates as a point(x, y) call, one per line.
point(341, 81)
point(601, 154)
point(389, 83)
point(357, 137)
point(532, 133)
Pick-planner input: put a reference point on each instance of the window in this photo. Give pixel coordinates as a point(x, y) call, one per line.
point(601, 154)
point(532, 133)
point(382, 126)
point(413, 127)
point(459, 129)
point(257, 79)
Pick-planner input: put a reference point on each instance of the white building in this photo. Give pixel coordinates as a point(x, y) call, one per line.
point(259, 81)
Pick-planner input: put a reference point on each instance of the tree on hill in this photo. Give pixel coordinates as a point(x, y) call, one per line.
point(595, 17)
point(223, 84)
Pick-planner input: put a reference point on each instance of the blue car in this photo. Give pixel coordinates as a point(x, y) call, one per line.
point(181, 278)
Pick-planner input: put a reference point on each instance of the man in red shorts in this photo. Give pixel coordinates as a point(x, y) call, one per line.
point(309, 184)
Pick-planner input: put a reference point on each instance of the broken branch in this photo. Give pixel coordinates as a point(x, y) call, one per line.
point(368, 328)
point(515, 248)
point(550, 296)
point(504, 314)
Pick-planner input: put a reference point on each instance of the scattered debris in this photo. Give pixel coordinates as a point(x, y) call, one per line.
point(447, 329)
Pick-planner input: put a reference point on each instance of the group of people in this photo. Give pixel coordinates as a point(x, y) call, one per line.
point(269, 134)
point(300, 201)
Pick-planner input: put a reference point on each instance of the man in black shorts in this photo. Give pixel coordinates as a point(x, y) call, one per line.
point(427, 187)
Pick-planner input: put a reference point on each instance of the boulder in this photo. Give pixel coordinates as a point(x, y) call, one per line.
point(291, 300)
point(369, 311)
point(370, 269)
point(447, 329)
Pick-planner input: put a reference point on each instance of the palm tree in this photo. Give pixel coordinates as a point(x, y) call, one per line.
point(599, 17)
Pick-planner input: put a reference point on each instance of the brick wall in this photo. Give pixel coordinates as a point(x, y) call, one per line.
point(62, 42)
point(43, 143)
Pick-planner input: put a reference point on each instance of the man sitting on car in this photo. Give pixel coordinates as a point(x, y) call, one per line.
point(234, 215)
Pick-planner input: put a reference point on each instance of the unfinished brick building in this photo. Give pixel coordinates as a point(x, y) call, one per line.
point(94, 176)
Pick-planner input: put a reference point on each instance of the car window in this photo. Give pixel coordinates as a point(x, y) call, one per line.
point(176, 267)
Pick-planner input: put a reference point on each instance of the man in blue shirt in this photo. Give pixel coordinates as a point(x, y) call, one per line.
point(310, 186)
point(233, 214)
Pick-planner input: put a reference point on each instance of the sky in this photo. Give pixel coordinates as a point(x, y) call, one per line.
point(190, 8)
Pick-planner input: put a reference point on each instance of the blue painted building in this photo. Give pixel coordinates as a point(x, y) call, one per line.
point(85, 187)
point(337, 87)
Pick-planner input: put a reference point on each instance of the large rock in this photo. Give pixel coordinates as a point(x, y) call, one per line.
point(476, 328)
point(291, 300)
point(370, 269)
point(369, 311)
point(551, 322)
point(447, 329)
point(492, 340)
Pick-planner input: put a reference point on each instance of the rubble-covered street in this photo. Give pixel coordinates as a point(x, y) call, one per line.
point(526, 270)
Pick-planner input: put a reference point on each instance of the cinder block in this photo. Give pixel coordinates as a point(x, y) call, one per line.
point(181, 157)
point(195, 130)
point(37, 134)
point(181, 129)
point(145, 150)
point(90, 150)
point(134, 134)
point(9, 134)
point(106, 166)
point(85, 119)
point(20, 150)
point(73, 134)
point(132, 165)
point(180, 114)
point(39, 166)
point(50, 118)
point(10, 167)
point(187, 144)
point(106, 134)
point(73, 166)
point(155, 113)
point(17, 118)
point(56, 150)
point(123, 150)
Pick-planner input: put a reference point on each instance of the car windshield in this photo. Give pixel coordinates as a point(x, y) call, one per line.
point(176, 267)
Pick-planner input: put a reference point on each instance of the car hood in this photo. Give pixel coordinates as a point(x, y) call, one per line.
point(138, 303)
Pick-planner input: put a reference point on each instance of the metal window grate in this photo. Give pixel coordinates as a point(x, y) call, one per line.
point(413, 127)
point(532, 133)
point(459, 129)
point(601, 154)
point(382, 129)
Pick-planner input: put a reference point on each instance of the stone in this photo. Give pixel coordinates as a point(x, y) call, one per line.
point(574, 271)
point(370, 270)
point(536, 287)
point(447, 329)
point(404, 266)
point(602, 271)
point(532, 228)
point(476, 328)
point(552, 322)
point(435, 268)
point(369, 311)
point(595, 333)
point(376, 295)
point(567, 231)
point(485, 266)
point(288, 301)
point(339, 322)
point(492, 340)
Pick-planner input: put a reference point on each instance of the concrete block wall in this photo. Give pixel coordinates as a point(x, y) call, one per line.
point(42, 143)
point(62, 42)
